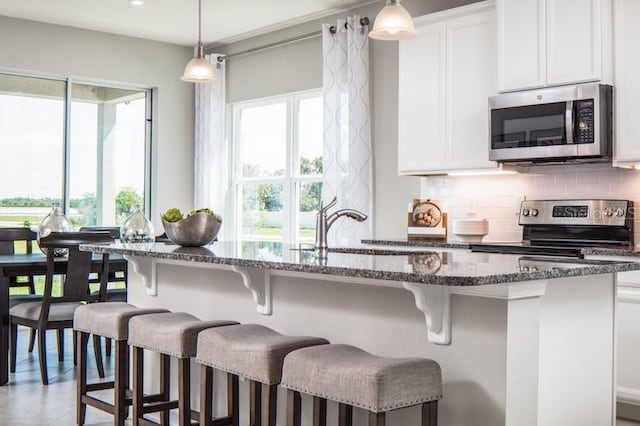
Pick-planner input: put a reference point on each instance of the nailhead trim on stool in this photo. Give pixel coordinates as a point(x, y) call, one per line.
point(355, 378)
point(105, 319)
point(171, 335)
point(251, 351)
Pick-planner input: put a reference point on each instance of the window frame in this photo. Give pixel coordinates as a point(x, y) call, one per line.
point(66, 140)
point(292, 180)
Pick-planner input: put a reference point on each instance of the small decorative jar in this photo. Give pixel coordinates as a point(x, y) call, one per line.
point(137, 228)
point(55, 221)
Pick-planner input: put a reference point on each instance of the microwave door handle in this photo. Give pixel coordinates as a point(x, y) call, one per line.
point(568, 122)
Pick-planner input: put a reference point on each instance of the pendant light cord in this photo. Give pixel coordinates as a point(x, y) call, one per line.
point(199, 22)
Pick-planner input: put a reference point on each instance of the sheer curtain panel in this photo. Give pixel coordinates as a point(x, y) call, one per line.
point(210, 155)
point(347, 154)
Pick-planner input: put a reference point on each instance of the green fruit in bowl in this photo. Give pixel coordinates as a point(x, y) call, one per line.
point(172, 215)
point(207, 211)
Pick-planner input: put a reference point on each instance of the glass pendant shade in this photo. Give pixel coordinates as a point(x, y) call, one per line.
point(199, 70)
point(137, 228)
point(393, 23)
point(55, 221)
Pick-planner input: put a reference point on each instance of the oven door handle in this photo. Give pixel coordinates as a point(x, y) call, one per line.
point(568, 122)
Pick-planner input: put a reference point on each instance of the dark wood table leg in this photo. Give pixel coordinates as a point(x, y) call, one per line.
point(4, 328)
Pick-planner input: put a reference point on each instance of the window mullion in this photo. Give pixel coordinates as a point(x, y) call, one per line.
point(66, 164)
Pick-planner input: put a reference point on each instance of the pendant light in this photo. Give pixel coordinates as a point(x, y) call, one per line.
point(393, 23)
point(199, 70)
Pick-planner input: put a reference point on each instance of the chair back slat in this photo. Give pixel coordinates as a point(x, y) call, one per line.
point(8, 237)
point(76, 283)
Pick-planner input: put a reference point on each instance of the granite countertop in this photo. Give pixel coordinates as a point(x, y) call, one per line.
point(438, 267)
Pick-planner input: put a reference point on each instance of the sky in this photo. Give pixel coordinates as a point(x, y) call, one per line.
point(31, 147)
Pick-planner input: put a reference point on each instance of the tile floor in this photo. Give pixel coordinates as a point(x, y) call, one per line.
point(25, 402)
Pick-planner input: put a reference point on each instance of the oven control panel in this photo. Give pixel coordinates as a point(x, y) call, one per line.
point(576, 212)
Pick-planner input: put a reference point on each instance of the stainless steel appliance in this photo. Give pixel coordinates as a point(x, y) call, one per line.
point(564, 227)
point(559, 124)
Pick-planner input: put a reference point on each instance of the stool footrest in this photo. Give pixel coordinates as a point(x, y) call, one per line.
point(98, 403)
point(154, 407)
point(92, 387)
point(222, 421)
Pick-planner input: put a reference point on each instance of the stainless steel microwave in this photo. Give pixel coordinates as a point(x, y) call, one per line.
point(559, 124)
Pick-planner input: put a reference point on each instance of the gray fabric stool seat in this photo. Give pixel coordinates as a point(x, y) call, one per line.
point(171, 335)
point(355, 378)
point(109, 320)
point(251, 351)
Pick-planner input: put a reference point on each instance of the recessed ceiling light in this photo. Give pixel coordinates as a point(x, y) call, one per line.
point(136, 2)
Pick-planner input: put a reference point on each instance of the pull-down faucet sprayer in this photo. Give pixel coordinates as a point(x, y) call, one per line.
point(324, 222)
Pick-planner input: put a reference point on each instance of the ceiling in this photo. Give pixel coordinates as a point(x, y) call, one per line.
point(175, 21)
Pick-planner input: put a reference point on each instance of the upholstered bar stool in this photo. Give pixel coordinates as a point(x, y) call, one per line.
point(251, 351)
point(355, 378)
point(110, 320)
point(172, 335)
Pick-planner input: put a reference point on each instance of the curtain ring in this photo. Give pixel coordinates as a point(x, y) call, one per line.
point(364, 21)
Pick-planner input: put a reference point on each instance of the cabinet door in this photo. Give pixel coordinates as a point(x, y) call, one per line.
point(627, 82)
point(471, 79)
point(575, 40)
point(421, 102)
point(521, 44)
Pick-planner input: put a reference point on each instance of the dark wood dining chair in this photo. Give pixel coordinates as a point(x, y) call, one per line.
point(8, 239)
point(56, 313)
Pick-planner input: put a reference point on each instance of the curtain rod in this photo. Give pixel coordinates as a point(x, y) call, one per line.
point(363, 21)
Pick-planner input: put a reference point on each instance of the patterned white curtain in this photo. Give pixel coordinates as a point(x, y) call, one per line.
point(211, 181)
point(347, 155)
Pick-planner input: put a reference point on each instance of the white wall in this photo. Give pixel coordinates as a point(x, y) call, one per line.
point(298, 66)
point(100, 57)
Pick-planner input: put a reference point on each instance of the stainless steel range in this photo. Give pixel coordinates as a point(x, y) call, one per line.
point(564, 227)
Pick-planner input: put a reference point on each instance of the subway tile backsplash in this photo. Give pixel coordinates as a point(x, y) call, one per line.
point(498, 197)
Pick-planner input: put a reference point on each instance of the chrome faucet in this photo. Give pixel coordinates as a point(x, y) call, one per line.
point(324, 222)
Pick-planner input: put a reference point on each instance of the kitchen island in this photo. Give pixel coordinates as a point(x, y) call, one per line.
point(521, 340)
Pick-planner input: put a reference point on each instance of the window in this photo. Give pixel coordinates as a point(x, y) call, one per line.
point(277, 152)
point(94, 162)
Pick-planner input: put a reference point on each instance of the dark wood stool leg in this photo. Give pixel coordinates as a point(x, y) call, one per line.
point(74, 337)
point(13, 347)
point(60, 333)
point(120, 384)
point(165, 371)
point(430, 413)
point(233, 399)
point(319, 411)
point(269, 410)
point(42, 355)
point(81, 376)
point(294, 408)
point(376, 419)
point(97, 350)
point(138, 384)
point(255, 403)
point(345, 415)
point(184, 394)
point(206, 395)
point(107, 346)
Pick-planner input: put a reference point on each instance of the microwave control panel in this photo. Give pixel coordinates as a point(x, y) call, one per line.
point(585, 121)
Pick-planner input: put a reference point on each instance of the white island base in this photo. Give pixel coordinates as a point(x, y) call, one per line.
point(519, 354)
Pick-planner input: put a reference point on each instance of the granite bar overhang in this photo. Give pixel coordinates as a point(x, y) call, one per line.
point(434, 266)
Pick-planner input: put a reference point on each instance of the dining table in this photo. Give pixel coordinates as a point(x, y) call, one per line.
point(15, 265)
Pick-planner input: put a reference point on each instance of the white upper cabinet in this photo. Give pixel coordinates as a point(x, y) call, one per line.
point(626, 150)
point(521, 44)
point(446, 75)
point(553, 42)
